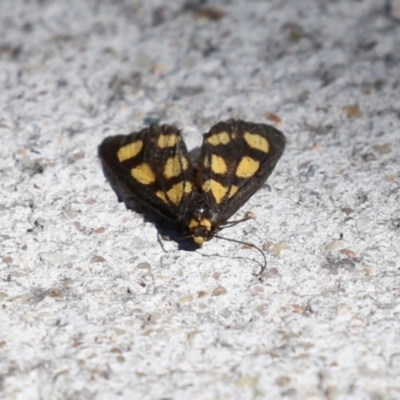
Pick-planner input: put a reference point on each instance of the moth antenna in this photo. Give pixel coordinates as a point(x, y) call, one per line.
point(233, 223)
point(263, 266)
point(248, 215)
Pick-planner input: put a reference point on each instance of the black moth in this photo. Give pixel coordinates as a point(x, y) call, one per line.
point(152, 169)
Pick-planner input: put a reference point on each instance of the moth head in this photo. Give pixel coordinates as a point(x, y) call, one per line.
point(200, 230)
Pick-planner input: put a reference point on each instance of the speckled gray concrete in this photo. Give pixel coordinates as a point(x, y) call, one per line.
point(93, 308)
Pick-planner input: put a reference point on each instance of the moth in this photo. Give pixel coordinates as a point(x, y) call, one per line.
point(153, 169)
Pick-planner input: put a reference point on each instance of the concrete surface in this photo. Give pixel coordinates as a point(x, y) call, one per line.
point(91, 305)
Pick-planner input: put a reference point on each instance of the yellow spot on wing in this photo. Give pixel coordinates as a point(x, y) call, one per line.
point(130, 150)
point(218, 165)
point(256, 142)
point(161, 195)
point(143, 174)
point(219, 138)
point(174, 166)
point(218, 191)
point(177, 191)
point(167, 140)
point(247, 167)
point(233, 191)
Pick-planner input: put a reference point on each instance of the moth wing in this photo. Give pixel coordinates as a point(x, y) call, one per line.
point(236, 159)
point(150, 168)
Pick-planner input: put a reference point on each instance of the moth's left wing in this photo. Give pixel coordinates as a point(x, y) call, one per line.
point(236, 159)
point(150, 168)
